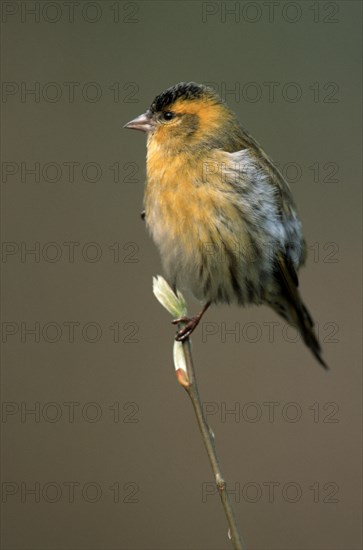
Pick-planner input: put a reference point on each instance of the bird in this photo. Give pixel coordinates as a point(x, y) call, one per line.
point(219, 210)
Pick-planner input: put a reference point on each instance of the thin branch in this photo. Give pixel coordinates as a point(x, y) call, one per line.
point(209, 443)
point(174, 302)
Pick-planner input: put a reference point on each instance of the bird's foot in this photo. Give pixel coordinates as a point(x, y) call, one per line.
point(191, 324)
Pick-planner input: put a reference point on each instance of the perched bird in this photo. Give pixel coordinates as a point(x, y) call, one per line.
point(219, 210)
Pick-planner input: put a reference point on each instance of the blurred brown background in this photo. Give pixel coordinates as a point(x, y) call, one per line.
point(110, 457)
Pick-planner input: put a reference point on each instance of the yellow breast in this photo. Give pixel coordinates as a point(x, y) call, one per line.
point(184, 201)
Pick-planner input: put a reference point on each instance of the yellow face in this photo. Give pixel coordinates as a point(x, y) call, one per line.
point(188, 117)
point(185, 123)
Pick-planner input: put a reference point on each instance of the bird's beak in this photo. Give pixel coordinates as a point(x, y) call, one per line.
point(144, 123)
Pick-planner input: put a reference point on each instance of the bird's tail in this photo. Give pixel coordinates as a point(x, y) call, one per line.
point(300, 317)
point(293, 309)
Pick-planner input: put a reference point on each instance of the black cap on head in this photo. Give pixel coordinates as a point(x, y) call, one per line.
point(183, 90)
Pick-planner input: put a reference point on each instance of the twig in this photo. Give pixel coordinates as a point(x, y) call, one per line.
point(208, 439)
point(175, 304)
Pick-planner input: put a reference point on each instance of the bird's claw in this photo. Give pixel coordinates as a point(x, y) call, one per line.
point(190, 324)
point(180, 320)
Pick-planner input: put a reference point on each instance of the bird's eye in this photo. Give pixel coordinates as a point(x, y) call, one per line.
point(168, 115)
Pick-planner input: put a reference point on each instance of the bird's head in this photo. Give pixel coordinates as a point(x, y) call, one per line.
point(184, 117)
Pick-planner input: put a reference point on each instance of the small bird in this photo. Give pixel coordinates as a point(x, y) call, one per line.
point(219, 210)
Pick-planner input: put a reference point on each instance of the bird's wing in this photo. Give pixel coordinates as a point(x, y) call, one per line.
point(276, 179)
point(284, 202)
